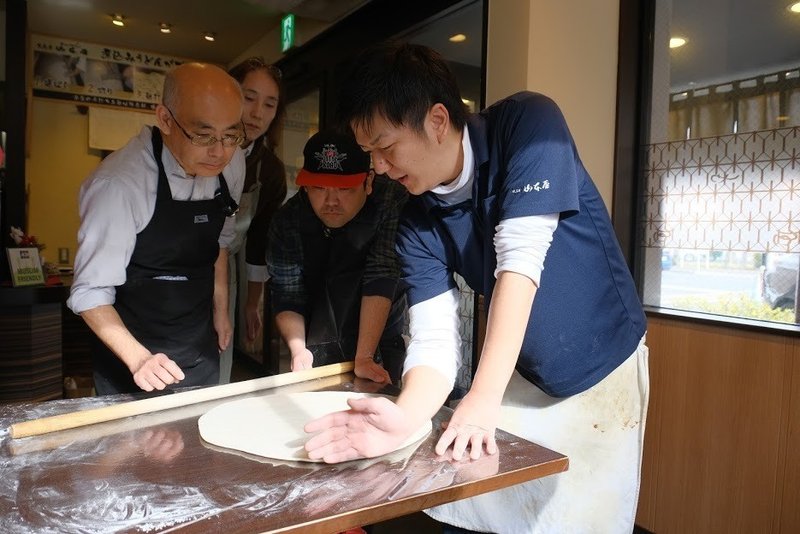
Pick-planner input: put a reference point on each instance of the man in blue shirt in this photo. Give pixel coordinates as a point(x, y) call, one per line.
point(503, 199)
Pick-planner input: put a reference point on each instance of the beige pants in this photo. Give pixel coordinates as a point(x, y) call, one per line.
point(601, 431)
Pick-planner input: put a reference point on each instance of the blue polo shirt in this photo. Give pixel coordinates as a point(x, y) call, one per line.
point(586, 317)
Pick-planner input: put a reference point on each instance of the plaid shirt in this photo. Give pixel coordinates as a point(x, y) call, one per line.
point(297, 233)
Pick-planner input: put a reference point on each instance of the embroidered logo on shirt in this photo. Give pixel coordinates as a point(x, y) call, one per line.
point(329, 158)
point(538, 186)
point(200, 219)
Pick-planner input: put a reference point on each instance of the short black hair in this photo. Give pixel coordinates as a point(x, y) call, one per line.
point(399, 82)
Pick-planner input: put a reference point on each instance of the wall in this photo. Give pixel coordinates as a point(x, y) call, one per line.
point(507, 47)
point(722, 449)
point(532, 45)
point(58, 162)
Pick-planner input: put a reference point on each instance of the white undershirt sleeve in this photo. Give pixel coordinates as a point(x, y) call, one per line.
point(435, 338)
point(521, 244)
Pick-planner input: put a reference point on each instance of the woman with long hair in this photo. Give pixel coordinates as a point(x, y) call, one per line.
point(264, 191)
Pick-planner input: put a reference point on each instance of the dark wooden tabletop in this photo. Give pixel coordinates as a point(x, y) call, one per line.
point(153, 473)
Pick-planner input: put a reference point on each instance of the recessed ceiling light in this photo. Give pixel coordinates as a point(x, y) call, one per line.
point(794, 8)
point(165, 27)
point(677, 42)
point(208, 36)
point(458, 38)
point(117, 20)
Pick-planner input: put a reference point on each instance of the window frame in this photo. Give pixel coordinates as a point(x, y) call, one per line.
point(634, 102)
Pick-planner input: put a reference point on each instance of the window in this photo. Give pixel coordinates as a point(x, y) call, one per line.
point(719, 206)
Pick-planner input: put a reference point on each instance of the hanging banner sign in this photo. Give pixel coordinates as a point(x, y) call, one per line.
point(92, 74)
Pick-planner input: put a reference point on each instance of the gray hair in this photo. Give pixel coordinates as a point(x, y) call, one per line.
point(169, 95)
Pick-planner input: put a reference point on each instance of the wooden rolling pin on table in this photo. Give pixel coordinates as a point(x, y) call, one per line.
point(170, 400)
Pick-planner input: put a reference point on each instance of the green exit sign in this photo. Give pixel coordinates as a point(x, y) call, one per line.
point(287, 32)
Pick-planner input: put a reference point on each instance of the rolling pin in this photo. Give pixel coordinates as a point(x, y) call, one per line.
point(35, 427)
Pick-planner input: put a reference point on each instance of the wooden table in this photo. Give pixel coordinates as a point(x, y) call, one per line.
point(153, 473)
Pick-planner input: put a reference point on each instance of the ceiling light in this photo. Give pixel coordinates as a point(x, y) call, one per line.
point(458, 38)
point(117, 20)
point(208, 36)
point(677, 42)
point(165, 27)
point(794, 8)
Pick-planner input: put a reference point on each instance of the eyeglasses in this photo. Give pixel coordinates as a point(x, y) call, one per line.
point(207, 140)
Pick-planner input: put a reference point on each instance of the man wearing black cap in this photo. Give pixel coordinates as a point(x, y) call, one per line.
point(332, 263)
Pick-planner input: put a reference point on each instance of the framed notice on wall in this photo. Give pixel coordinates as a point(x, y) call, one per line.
point(25, 266)
point(92, 74)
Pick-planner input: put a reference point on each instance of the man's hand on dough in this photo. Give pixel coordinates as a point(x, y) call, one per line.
point(372, 426)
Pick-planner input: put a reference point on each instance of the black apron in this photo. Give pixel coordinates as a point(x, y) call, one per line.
point(335, 307)
point(332, 330)
point(167, 300)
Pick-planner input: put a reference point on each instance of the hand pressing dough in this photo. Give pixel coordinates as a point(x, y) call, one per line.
point(272, 425)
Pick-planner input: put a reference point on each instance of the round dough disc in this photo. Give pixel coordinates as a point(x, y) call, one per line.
point(272, 425)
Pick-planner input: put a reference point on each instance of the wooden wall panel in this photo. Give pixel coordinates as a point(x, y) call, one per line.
point(713, 442)
point(789, 518)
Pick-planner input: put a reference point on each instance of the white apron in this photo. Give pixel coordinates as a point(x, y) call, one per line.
point(601, 431)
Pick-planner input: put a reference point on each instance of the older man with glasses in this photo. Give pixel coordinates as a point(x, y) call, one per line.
point(157, 217)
